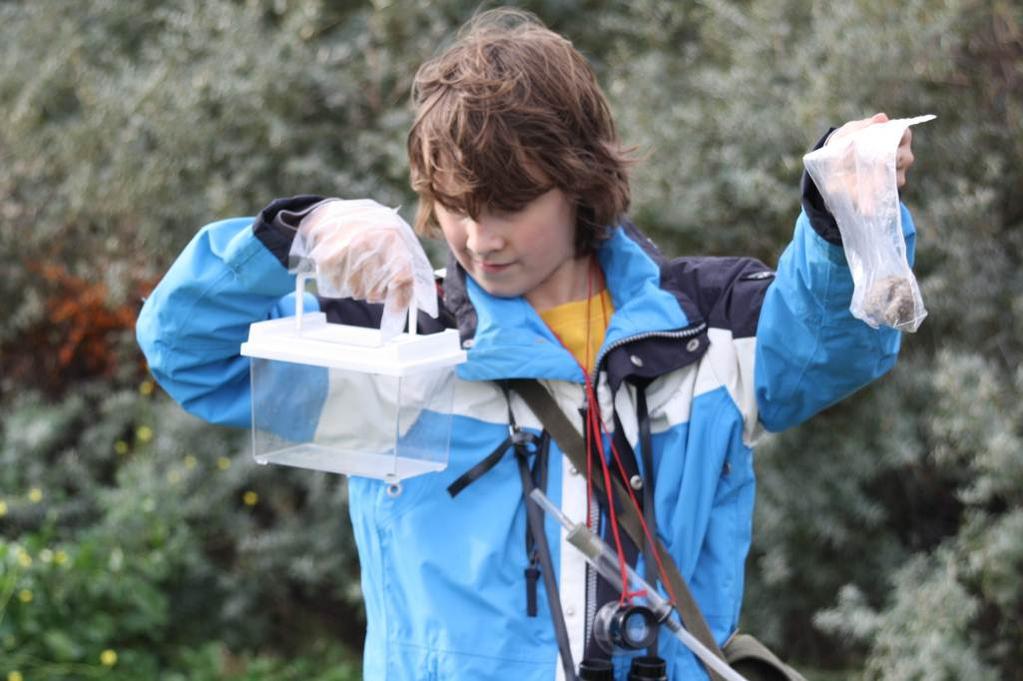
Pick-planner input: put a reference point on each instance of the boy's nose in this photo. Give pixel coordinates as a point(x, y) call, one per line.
point(481, 239)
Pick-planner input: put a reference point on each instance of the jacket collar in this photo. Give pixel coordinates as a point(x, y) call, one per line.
point(506, 338)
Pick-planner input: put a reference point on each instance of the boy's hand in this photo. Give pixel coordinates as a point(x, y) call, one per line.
point(903, 156)
point(366, 251)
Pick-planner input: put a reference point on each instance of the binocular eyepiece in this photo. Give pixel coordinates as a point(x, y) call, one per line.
point(632, 627)
point(641, 669)
point(629, 627)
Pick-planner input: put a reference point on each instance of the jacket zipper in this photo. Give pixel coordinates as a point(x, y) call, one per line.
point(591, 574)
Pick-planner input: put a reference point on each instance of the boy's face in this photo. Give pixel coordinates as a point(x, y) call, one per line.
point(530, 252)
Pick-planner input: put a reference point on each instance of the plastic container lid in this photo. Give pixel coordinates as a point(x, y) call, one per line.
point(340, 346)
point(310, 339)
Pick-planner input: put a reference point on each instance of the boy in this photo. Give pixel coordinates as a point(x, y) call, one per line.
point(677, 365)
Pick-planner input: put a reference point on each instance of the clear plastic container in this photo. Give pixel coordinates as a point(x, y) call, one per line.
point(335, 398)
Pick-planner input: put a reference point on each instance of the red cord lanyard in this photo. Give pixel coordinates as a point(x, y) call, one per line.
point(594, 437)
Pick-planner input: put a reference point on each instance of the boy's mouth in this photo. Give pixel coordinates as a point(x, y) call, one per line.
point(493, 267)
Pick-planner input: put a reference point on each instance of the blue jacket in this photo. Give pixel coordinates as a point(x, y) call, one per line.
point(728, 348)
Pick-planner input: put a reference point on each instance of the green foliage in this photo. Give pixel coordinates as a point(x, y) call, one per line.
point(134, 528)
point(889, 529)
point(954, 611)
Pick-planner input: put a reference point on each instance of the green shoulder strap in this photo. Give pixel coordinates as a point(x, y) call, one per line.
point(756, 662)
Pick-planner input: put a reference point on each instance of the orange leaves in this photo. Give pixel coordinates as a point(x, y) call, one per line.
point(80, 336)
point(80, 310)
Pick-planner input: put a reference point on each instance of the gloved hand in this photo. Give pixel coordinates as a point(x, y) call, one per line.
point(858, 173)
point(363, 250)
point(903, 154)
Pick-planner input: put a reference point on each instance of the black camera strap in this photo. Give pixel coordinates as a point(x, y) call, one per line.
point(525, 444)
point(646, 481)
point(572, 444)
point(539, 478)
point(534, 515)
point(647, 451)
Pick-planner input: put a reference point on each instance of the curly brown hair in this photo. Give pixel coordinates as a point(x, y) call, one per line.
point(510, 111)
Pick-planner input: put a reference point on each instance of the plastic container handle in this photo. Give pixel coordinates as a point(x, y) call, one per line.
point(304, 275)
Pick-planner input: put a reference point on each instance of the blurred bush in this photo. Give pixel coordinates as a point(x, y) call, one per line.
point(135, 541)
point(129, 526)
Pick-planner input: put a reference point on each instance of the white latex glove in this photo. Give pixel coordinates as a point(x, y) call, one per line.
point(363, 250)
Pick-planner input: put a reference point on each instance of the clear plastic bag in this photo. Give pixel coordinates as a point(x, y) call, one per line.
point(856, 177)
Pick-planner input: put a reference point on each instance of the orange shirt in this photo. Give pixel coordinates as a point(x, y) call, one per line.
point(569, 323)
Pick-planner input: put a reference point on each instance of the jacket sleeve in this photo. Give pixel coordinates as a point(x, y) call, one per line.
point(810, 351)
point(192, 325)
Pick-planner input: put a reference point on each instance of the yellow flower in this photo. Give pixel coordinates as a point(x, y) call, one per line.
point(24, 560)
point(144, 433)
point(121, 447)
point(146, 388)
point(60, 557)
point(3, 508)
point(190, 461)
point(35, 495)
point(15, 676)
point(223, 463)
point(250, 498)
point(25, 596)
point(108, 658)
point(173, 477)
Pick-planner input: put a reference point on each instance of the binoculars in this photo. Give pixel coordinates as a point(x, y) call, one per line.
point(642, 669)
point(629, 627)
